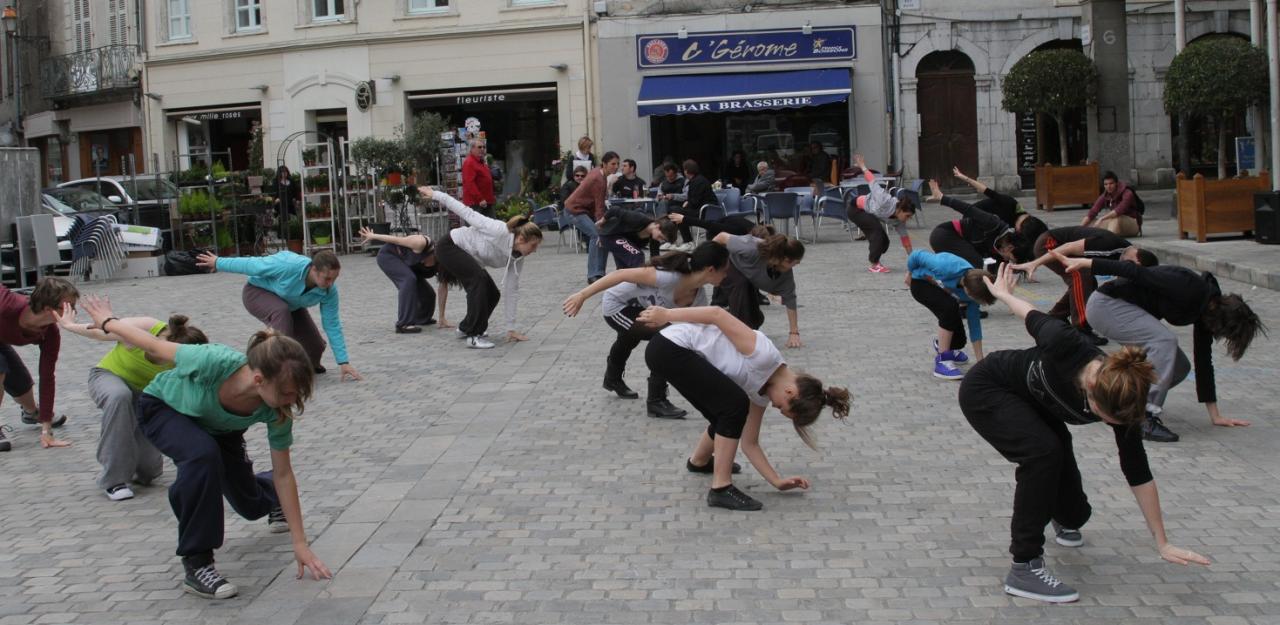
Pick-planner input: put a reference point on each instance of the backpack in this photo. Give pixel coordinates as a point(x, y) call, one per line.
point(1138, 204)
point(182, 262)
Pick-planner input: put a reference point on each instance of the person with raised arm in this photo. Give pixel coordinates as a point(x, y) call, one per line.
point(975, 236)
point(872, 212)
point(1008, 209)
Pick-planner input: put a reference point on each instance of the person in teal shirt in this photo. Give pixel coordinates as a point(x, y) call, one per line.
point(282, 287)
point(943, 282)
point(196, 414)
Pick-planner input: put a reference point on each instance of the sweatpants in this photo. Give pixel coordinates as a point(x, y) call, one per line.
point(273, 311)
point(711, 392)
point(741, 297)
point(416, 300)
point(944, 306)
point(1080, 285)
point(123, 451)
point(482, 292)
point(873, 229)
point(626, 255)
point(944, 238)
point(210, 467)
point(1128, 324)
point(734, 225)
point(17, 379)
point(1048, 484)
point(630, 333)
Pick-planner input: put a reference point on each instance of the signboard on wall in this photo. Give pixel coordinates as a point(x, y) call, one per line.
point(746, 47)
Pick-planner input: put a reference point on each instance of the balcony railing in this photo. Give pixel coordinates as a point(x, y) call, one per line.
point(89, 72)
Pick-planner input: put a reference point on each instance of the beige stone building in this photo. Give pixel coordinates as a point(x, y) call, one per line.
point(217, 68)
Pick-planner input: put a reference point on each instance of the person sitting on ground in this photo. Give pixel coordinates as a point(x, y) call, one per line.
point(1121, 204)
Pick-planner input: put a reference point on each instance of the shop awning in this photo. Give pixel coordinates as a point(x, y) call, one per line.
point(728, 93)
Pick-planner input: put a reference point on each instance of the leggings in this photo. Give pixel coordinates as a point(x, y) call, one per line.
point(1080, 285)
point(1048, 485)
point(482, 292)
point(1129, 324)
point(630, 333)
point(273, 311)
point(734, 225)
point(943, 306)
point(944, 238)
point(17, 379)
point(711, 392)
point(210, 467)
point(741, 297)
point(626, 254)
point(873, 229)
point(415, 299)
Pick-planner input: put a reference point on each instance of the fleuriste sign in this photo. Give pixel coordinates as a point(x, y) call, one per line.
point(747, 47)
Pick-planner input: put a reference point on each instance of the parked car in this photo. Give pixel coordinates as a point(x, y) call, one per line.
point(151, 197)
point(83, 200)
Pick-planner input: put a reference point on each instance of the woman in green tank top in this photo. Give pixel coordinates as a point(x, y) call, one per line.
point(115, 384)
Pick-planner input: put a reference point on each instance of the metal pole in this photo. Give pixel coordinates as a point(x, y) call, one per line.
point(1257, 126)
point(14, 40)
point(1180, 42)
point(1273, 51)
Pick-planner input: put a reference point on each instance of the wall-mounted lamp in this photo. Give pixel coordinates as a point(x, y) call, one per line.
point(154, 96)
point(683, 33)
point(392, 78)
point(807, 28)
point(191, 121)
point(262, 88)
point(560, 67)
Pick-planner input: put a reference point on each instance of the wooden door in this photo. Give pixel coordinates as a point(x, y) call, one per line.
point(946, 98)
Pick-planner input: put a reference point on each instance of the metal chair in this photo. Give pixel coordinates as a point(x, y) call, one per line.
point(783, 205)
point(752, 204)
point(566, 225)
point(805, 205)
point(833, 204)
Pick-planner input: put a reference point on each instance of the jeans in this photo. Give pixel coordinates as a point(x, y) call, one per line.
point(597, 255)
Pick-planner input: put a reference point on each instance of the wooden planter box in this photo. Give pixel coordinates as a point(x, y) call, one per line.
point(1208, 207)
point(1074, 184)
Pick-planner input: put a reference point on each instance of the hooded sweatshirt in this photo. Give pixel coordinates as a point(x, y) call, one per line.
point(489, 242)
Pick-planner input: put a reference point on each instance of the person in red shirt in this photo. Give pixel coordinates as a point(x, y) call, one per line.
point(34, 321)
point(477, 181)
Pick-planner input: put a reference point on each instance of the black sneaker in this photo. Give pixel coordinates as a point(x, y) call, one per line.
point(5, 445)
point(1154, 430)
point(33, 418)
point(1094, 337)
point(733, 499)
point(709, 467)
point(320, 369)
point(1066, 536)
point(408, 329)
point(205, 581)
point(276, 523)
point(664, 409)
point(621, 388)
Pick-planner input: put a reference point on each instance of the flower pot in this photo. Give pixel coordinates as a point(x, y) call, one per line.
point(321, 240)
point(394, 178)
point(295, 245)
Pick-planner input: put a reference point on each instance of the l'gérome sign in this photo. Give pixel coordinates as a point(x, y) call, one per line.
point(743, 105)
point(749, 47)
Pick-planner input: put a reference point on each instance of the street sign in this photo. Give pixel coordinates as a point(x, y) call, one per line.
point(1246, 154)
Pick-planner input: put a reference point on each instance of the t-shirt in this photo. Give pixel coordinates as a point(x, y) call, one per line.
point(744, 252)
point(749, 372)
point(1098, 242)
point(632, 188)
point(191, 388)
point(632, 294)
point(131, 364)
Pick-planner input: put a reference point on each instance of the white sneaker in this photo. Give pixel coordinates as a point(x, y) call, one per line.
point(685, 247)
point(119, 492)
point(666, 247)
point(479, 342)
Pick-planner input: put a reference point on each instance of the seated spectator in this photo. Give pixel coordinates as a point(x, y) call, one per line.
point(1122, 216)
point(764, 181)
point(628, 185)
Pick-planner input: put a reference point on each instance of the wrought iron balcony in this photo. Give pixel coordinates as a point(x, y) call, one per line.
point(89, 72)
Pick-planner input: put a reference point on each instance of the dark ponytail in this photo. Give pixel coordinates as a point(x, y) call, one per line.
point(180, 332)
point(708, 254)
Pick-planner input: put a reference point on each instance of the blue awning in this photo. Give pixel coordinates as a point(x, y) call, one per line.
point(728, 93)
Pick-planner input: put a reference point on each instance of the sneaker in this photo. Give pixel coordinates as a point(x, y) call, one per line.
point(408, 329)
point(276, 523)
point(1033, 581)
point(666, 247)
point(479, 342)
point(1154, 430)
point(621, 388)
point(1066, 536)
point(207, 582)
point(953, 356)
point(709, 467)
point(1094, 337)
point(33, 418)
point(942, 369)
point(5, 445)
point(878, 268)
point(320, 369)
point(119, 492)
point(463, 335)
point(664, 409)
point(733, 499)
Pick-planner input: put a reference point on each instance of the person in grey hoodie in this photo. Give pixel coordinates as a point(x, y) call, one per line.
point(871, 212)
point(485, 242)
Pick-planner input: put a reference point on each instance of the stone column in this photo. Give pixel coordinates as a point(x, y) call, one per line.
point(1110, 140)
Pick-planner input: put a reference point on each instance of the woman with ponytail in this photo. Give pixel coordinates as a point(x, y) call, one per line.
point(731, 373)
point(673, 280)
point(115, 384)
point(625, 233)
point(408, 261)
point(484, 242)
point(764, 264)
point(1021, 402)
point(196, 414)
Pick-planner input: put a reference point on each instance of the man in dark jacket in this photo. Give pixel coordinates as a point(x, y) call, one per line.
point(698, 193)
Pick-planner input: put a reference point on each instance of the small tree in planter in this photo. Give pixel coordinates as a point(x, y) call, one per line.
point(293, 234)
point(1051, 82)
point(422, 143)
point(1217, 78)
point(380, 155)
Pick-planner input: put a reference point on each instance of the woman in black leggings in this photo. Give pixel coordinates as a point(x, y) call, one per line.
point(624, 233)
point(1010, 212)
point(1021, 401)
point(975, 236)
point(731, 373)
point(733, 224)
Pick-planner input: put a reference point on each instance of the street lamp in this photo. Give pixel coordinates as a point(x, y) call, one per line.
point(10, 19)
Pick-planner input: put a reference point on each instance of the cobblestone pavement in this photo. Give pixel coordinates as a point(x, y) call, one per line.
point(455, 486)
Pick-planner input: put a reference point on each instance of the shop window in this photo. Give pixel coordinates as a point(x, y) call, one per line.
point(179, 19)
point(327, 10)
point(417, 7)
point(248, 15)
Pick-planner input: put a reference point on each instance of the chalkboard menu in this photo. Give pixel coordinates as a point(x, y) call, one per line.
point(1027, 154)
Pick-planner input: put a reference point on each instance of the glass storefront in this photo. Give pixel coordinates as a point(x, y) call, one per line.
point(226, 132)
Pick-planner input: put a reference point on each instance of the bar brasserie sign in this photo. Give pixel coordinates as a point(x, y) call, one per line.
point(746, 47)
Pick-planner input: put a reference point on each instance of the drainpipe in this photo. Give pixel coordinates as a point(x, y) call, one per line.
point(1256, 122)
point(1180, 42)
point(1273, 51)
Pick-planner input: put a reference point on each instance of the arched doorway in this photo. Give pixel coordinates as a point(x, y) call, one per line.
point(946, 98)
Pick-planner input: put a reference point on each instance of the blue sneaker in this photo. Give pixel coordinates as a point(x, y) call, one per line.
point(953, 356)
point(943, 369)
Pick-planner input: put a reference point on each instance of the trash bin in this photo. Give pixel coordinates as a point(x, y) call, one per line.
point(1266, 226)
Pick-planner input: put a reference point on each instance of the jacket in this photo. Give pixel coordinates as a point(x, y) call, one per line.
point(477, 182)
point(764, 182)
point(1120, 202)
point(700, 194)
point(590, 196)
point(285, 274)
point(978, 227)
point(489, 242)
point(620, 221)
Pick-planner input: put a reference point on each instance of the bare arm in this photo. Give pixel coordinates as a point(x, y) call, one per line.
point(742, 337)
point(1074, 248)
point(100, 310)
point(1149, 502)
point(750, 444)
point(977, 186)
point(68, 323)
point(416, 242)
point(722, 238)
point(287, 490)
point(647, 276)
point(1002, 289)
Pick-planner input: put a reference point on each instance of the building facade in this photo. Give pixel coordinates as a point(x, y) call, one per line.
point(218, 69)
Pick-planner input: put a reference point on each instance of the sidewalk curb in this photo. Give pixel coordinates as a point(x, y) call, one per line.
point(1171, 254)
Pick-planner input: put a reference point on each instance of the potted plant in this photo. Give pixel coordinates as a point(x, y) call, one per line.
point(317, 211)
point(321, 233)
point(309, 157)
point(422, 143)
point(293, 234)
point(226, 242)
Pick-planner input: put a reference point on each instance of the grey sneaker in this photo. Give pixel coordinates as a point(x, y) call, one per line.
point(5, 445)
point(1034, 581)
point(1066, 536)
point(276, 523)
